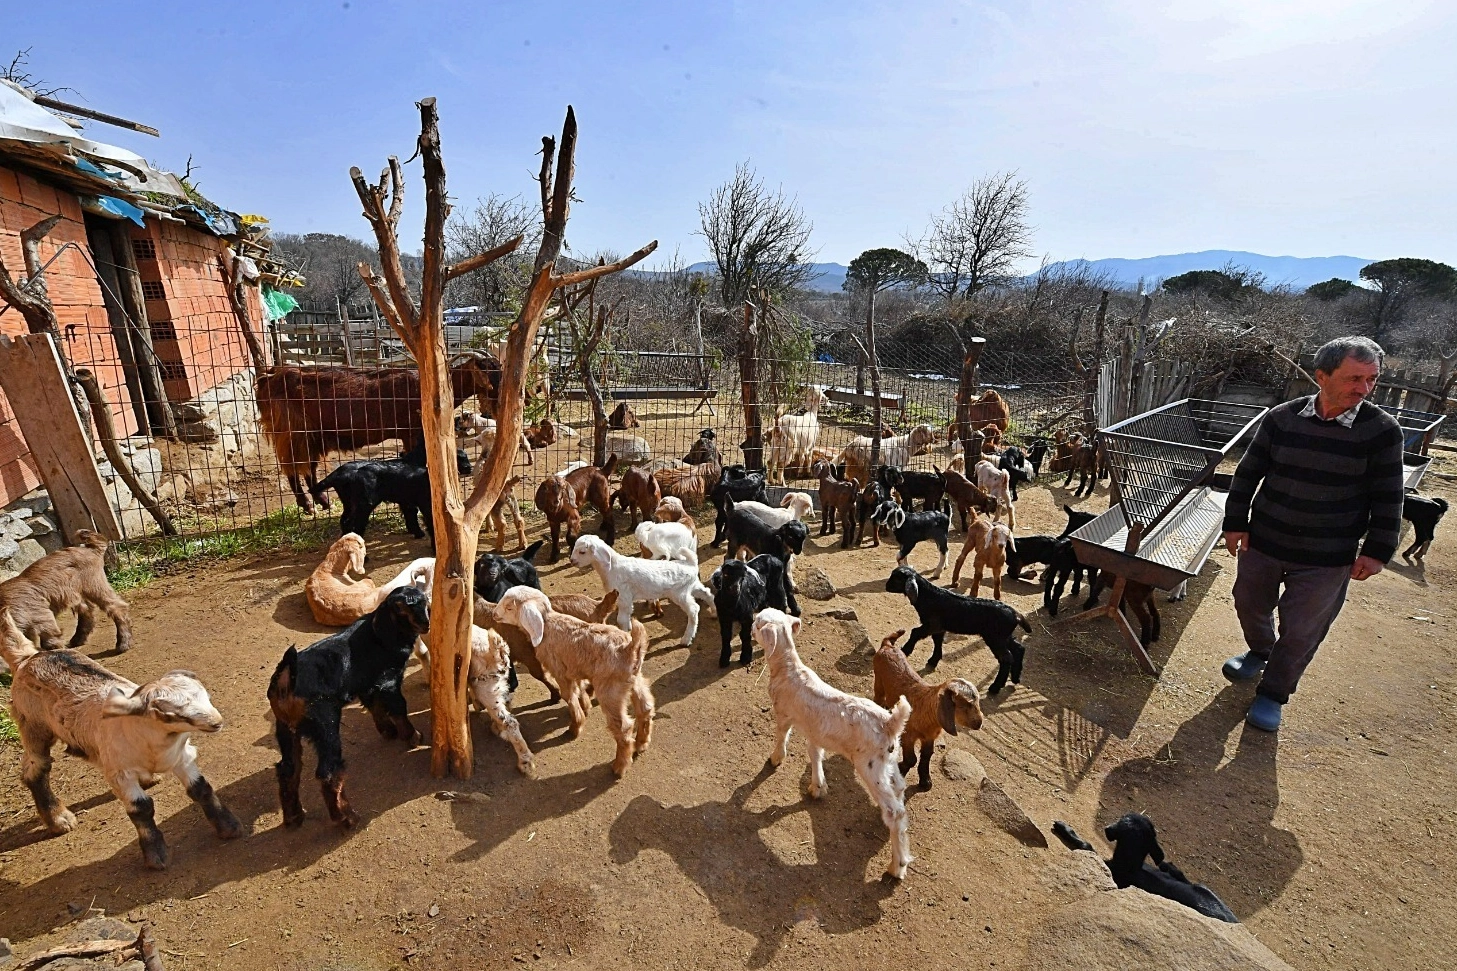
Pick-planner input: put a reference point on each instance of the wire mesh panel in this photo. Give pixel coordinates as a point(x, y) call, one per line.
point(1157, 457)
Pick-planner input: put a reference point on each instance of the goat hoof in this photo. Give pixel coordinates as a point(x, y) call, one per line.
point(62, 822)
point(156, 856)
point(723, 662)
point(415, 739)
point(924, 785)
point(227, 826)
point(294, 820)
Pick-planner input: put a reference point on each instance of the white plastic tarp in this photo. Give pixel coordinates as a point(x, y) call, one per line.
point(23, 120)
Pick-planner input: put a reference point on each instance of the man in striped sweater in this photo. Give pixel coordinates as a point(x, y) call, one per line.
point(1328, 511)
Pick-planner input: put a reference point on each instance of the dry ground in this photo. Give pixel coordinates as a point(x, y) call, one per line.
point(1330, 840)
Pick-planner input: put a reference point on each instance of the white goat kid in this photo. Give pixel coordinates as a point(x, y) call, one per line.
point(855, 727)
point(668, 541)
point(793, 437)
point(132, 733)
point(483, 430)
point(996, 482)
point(794, 506)
point(636, 579)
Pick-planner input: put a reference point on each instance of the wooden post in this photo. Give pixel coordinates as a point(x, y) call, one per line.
point(876, 409)
point(238, 301)
point(343, 312)
point(966, 389)
point(100, 239)
point(106, 431)
point(421, 325)
point(149, 370)
point(753, 446)
point(1093, 373)
point(39, 394)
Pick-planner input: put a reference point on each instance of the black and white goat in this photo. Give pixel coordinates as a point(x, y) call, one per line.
point(735, 484)
point(132, 733)
point(912, 528)
point(746, 531)
point(1134, 839)
point(943, 612)
point(742, 588)
point(1017, 467)
point(310, 688)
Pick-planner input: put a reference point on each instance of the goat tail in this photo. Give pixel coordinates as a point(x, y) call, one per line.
point(281, 685)
point(1440, 503)
point(15, 647)
point(610, 465)
point(899, 716)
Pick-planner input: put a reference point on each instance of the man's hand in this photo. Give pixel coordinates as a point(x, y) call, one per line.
point(1238, 542)
point(1366, 566)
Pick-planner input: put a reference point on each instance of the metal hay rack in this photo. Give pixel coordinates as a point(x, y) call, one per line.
point(1164, 515)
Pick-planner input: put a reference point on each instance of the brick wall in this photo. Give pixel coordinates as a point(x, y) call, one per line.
point(76, 297)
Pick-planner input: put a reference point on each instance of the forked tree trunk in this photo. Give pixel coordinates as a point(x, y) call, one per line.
point(422, 328)
point(966, 389)
point(753, 447)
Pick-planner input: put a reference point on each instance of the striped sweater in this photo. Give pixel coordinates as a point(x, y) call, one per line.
point(1322, 487)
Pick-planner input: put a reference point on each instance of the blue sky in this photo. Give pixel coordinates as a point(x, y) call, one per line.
point(1300, 127)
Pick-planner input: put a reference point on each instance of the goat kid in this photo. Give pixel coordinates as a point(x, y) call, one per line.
point(1423, 513)
point(912, 528)
point(637, 579)
point(935, 708)
point(132, 733)
point(740, 590)
point(71, 579)
point(577, 653)
point(837, 500)
point(996, 482)
point(943, 612)
point(992, 543)
point(831, 720)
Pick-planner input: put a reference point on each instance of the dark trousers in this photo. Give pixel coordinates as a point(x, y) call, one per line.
point(1306, 599)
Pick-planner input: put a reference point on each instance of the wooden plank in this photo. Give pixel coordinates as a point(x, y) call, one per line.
point(644, 394)
point(30, 373)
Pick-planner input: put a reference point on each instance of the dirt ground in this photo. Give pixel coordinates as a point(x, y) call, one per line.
point(1329, 840)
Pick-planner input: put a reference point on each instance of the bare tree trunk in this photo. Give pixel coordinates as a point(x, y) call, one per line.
point(422, 328)
point(239, 303)
point(753, 447)
point(101, 413)
point(966, 389)
point(149, 371)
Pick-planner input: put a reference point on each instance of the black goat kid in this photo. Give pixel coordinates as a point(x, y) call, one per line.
point(735, 484)
point(365, 484)
point(1423, 513)
point(740, 590)
point(1064, 564)
point(310, 688)
point(1017, 467)
point(943, 612)
point(1133, 838)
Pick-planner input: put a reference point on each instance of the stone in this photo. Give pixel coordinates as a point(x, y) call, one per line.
point(19, 512)
point(842, 613)
point(1003, 810)
point(27, 552)
point(961, 766)
point(8, 574)
point(8, 549)
point(17, 529)
point(810, 581)
point(41, 526)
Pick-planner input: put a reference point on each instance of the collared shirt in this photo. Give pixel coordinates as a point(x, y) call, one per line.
point(1346, 418)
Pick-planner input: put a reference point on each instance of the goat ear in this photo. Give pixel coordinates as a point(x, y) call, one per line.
point(912, 589)
point(946, 710)
point(531, 621)
point(119, 703)
point(784, 503)
point(1154, 850)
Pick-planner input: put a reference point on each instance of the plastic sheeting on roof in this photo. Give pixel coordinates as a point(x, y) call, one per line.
point(112, 206)
point(23, 120)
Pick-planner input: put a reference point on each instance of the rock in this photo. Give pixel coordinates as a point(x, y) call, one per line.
point(17, 529)
point(1003, 810)
point(1103, 929)
point(101, 929)
point(842, 613)
point(41, 526)
point(27, 553)
point(40, 503)
point(7, 574)
point(960, 766)
point(7, 953)
point(8, 549)
point(19, 512)
point(811, 582)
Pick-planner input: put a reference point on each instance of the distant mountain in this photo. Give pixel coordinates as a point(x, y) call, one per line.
point(828, 278)
point(1298, 272)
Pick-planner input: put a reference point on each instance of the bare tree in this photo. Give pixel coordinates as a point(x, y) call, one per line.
point(978, 237)
point(495, 219)
point(759, 239)
point(420, 323)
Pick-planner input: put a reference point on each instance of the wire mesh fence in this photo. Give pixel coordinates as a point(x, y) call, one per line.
point(225, 474)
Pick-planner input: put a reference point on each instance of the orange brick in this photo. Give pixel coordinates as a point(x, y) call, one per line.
point(38, 195)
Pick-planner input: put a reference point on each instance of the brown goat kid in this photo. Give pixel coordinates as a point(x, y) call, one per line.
point(964, 493)
point(638, 496)
point(309, 412)
point(670, 510)
point(577, 605)
point(948, 706)
point(692, 484)
point(557, 501)
point(594, 488)
point(70, 579)
point(837, 498)
point(622, 417)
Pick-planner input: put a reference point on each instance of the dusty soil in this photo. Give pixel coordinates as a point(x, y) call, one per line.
point(1330, 840)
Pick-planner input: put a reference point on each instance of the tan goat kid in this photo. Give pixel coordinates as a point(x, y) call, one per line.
point(576, 653)
point(132, 733)
point(990, 541)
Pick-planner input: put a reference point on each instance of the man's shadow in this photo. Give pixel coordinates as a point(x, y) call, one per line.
point(1215, 820)
point(752, 888)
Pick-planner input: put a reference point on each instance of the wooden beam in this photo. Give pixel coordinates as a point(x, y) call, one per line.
point(92, 113)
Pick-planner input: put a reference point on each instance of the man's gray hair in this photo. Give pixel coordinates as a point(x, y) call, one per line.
point(1333, 353)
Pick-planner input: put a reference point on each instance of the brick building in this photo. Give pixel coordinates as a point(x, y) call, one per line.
point(134, 268)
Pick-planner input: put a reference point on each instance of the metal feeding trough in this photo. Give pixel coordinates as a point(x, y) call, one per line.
point(1418, 428)
point(1164, 518)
